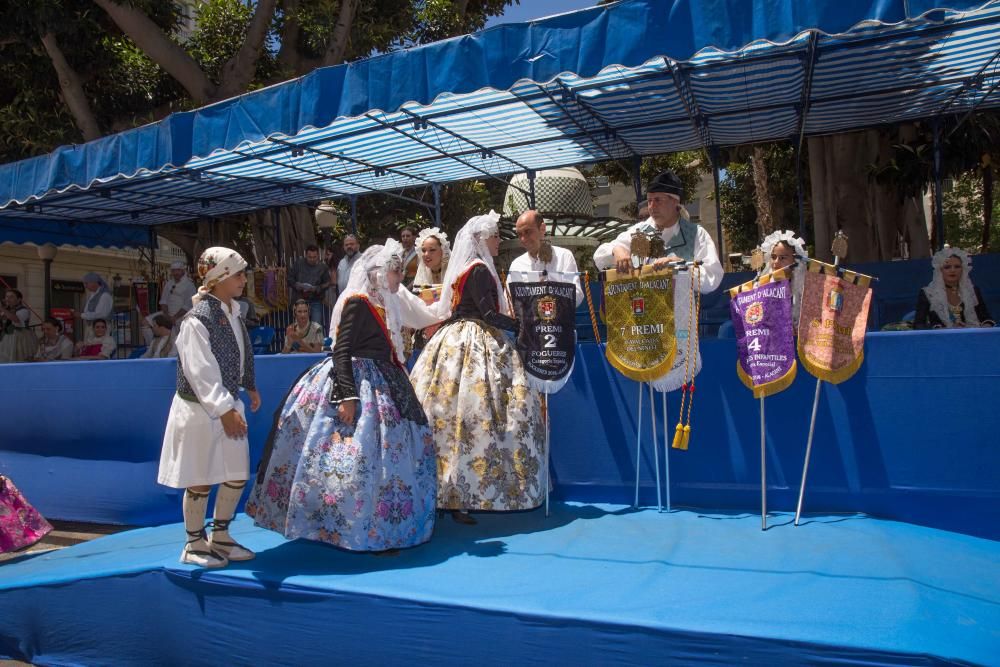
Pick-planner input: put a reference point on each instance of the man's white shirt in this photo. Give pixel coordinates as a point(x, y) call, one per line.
point(711, 272)
point(177, 295)
point(562, 261)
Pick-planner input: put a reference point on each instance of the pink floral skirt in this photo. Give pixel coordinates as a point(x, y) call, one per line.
point(20, 524)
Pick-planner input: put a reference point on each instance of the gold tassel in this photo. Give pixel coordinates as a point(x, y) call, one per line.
point(679, 437)
point(687, 436)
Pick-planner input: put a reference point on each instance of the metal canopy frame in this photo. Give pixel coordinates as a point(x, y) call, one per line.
point(564, 121)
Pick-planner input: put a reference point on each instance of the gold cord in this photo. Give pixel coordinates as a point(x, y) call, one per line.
point(590, 306)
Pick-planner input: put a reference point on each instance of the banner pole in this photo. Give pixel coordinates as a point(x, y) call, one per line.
point(547, 444)
point(666, 449)
point(656, 445)
point(812, 419)
point(638, 446)
point(809, 444)
point(763, 469)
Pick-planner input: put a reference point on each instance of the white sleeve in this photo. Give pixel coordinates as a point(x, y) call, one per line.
point(413, 312)
point(604, 257)
point(201, 368)
point(711, 268)
point(65, 349)
point(108, 347)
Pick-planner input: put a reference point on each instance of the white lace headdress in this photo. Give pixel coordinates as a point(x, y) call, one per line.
point(937, 295)
point(470, 247)
point(424, 276)
point(368, 278)
point(798, 246)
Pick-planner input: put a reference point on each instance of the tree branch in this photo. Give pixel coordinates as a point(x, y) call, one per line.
point(72, 90)
point(161, 49)
point(336, 48)
point(239, 70)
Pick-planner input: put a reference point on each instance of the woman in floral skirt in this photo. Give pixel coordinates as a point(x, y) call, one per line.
point(487, 422)
point(351, 459)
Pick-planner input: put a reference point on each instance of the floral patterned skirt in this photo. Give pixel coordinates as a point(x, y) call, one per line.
point(487, 423)
point(367, 488)
point(20, 524)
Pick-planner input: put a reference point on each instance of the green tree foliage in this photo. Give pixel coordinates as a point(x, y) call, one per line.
point(125, 83)
point(73, 70)
point(963, 212)
point(739, 215)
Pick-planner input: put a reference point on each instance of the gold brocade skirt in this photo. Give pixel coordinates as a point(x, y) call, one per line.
point(487, 422)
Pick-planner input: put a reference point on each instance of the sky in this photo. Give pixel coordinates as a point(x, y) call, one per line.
point(533, 9)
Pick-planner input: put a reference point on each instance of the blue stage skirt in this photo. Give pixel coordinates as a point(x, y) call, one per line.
point(367, 488)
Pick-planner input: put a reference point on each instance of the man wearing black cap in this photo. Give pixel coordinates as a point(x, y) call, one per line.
point(682, 239)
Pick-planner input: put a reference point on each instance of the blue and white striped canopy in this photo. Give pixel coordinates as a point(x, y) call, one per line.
point(635, 78)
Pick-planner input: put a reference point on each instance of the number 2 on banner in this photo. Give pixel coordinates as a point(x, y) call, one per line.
point(550, 340)
point(754, 345)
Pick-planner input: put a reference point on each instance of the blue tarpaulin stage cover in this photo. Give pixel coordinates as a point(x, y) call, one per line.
point(590, 585)
point(637, 77)
point(909, 437)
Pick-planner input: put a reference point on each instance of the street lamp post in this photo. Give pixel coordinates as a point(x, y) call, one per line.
point(47, 253)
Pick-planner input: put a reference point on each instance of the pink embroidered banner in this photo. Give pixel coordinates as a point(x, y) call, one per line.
point(832, 321)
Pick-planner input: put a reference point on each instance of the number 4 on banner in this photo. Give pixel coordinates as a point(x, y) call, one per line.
point(754, 345)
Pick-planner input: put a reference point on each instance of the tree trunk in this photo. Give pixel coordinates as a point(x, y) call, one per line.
point(288, 55)
point(845, 197)
point(461, 7)
point(822, 235)
point(72, 90)
point(762, 193)
point(239, 71)
point(161, 49)
point(295, 231)
point(336, 48)
point(987, 207)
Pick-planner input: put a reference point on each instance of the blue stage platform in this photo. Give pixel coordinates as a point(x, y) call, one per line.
point(591, 585)
point(911, 437)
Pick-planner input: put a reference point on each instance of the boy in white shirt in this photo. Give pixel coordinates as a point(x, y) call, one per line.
point(205, 442)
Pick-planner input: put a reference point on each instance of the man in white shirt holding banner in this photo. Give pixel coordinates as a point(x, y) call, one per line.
point(545, 290)
point(542, 256)
point(682, 239)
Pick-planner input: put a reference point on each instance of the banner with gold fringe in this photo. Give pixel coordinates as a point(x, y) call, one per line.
point(762, 318)
point(546, 342)
point(832, 321)
point(639, 310)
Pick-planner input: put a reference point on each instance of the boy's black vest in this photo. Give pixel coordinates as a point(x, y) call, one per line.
point(211, 313)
